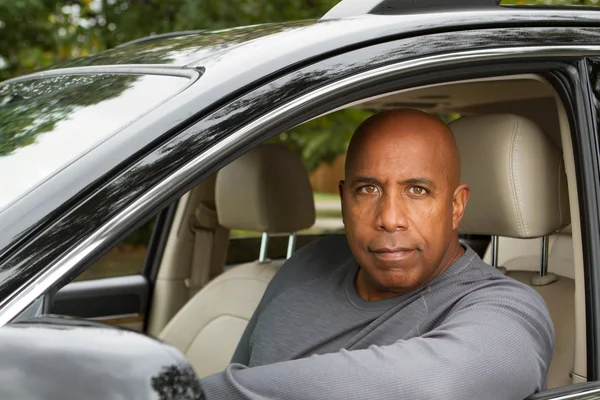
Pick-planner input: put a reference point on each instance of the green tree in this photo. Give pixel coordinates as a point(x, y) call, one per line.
point(323, 139)
point(39, 33)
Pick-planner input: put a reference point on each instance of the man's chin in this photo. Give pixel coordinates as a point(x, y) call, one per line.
point(396, 279)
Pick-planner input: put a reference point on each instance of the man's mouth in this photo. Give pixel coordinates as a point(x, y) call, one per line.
point(393, 253)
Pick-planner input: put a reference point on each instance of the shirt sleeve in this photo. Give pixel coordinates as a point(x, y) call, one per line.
point(496, 345)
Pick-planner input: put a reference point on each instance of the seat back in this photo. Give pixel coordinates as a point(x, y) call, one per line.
point(522, 258)
point(266, 190)
point(519, 191)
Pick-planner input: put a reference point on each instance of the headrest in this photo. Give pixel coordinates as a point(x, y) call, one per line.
point(265, 190)
point(516, 175)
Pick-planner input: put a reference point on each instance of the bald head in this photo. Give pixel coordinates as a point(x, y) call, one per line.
point(408, 126)
point(402, 201)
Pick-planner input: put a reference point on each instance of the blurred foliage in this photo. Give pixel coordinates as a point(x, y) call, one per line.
point(39, 33)
point(314, 142)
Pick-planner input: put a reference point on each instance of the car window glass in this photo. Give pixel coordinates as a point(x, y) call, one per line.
point(46, 124)
point(321, 144)
point(126, 258)
point(244, 245)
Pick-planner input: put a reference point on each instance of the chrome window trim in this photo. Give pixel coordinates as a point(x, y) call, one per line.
point(13, 305)
point(129, 69)
point(579, 395)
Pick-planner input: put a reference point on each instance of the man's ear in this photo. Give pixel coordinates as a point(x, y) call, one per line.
point(459, 204)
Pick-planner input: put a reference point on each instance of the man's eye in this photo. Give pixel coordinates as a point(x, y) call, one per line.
point(418, 190)
point(369, 189)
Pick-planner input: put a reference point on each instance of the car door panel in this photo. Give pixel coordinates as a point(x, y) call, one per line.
point(117, 301)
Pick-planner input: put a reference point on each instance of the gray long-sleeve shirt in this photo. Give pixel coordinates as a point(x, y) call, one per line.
point(471, 333)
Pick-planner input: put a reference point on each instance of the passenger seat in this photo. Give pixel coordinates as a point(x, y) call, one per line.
point(519, 190)
point(525, 254)
point(559, 295)
point(266, 190)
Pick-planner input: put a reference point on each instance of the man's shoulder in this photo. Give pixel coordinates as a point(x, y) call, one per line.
point(493, 285)
point(318, 257)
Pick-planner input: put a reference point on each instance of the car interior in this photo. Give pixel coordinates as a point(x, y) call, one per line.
point(517, 157)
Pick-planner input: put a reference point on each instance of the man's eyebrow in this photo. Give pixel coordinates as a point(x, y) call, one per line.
point(411, 181)
point(364, 179)
point(418, 181)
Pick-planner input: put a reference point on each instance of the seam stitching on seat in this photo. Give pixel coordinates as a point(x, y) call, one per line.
point(522, 219)
point(511, 145)
point(560, 189)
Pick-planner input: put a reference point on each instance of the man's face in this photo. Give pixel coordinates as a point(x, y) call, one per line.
point(398, 208)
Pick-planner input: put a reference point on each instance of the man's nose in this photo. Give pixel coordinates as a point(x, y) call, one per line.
point(392, 213)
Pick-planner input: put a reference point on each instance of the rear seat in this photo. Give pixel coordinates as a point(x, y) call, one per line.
point(518, 190)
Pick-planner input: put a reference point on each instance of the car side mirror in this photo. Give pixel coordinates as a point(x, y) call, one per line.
point(55, 357)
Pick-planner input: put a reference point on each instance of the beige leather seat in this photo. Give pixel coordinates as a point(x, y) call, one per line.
point(522, 258)
point(525, 254)
point(265, 190)
point(519, 190)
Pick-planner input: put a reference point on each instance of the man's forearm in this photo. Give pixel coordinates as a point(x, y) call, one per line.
point(437, 367)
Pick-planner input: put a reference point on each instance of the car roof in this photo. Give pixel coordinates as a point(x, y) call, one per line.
point(205, 48)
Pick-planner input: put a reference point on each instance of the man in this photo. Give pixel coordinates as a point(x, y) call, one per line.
point(398, 309)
